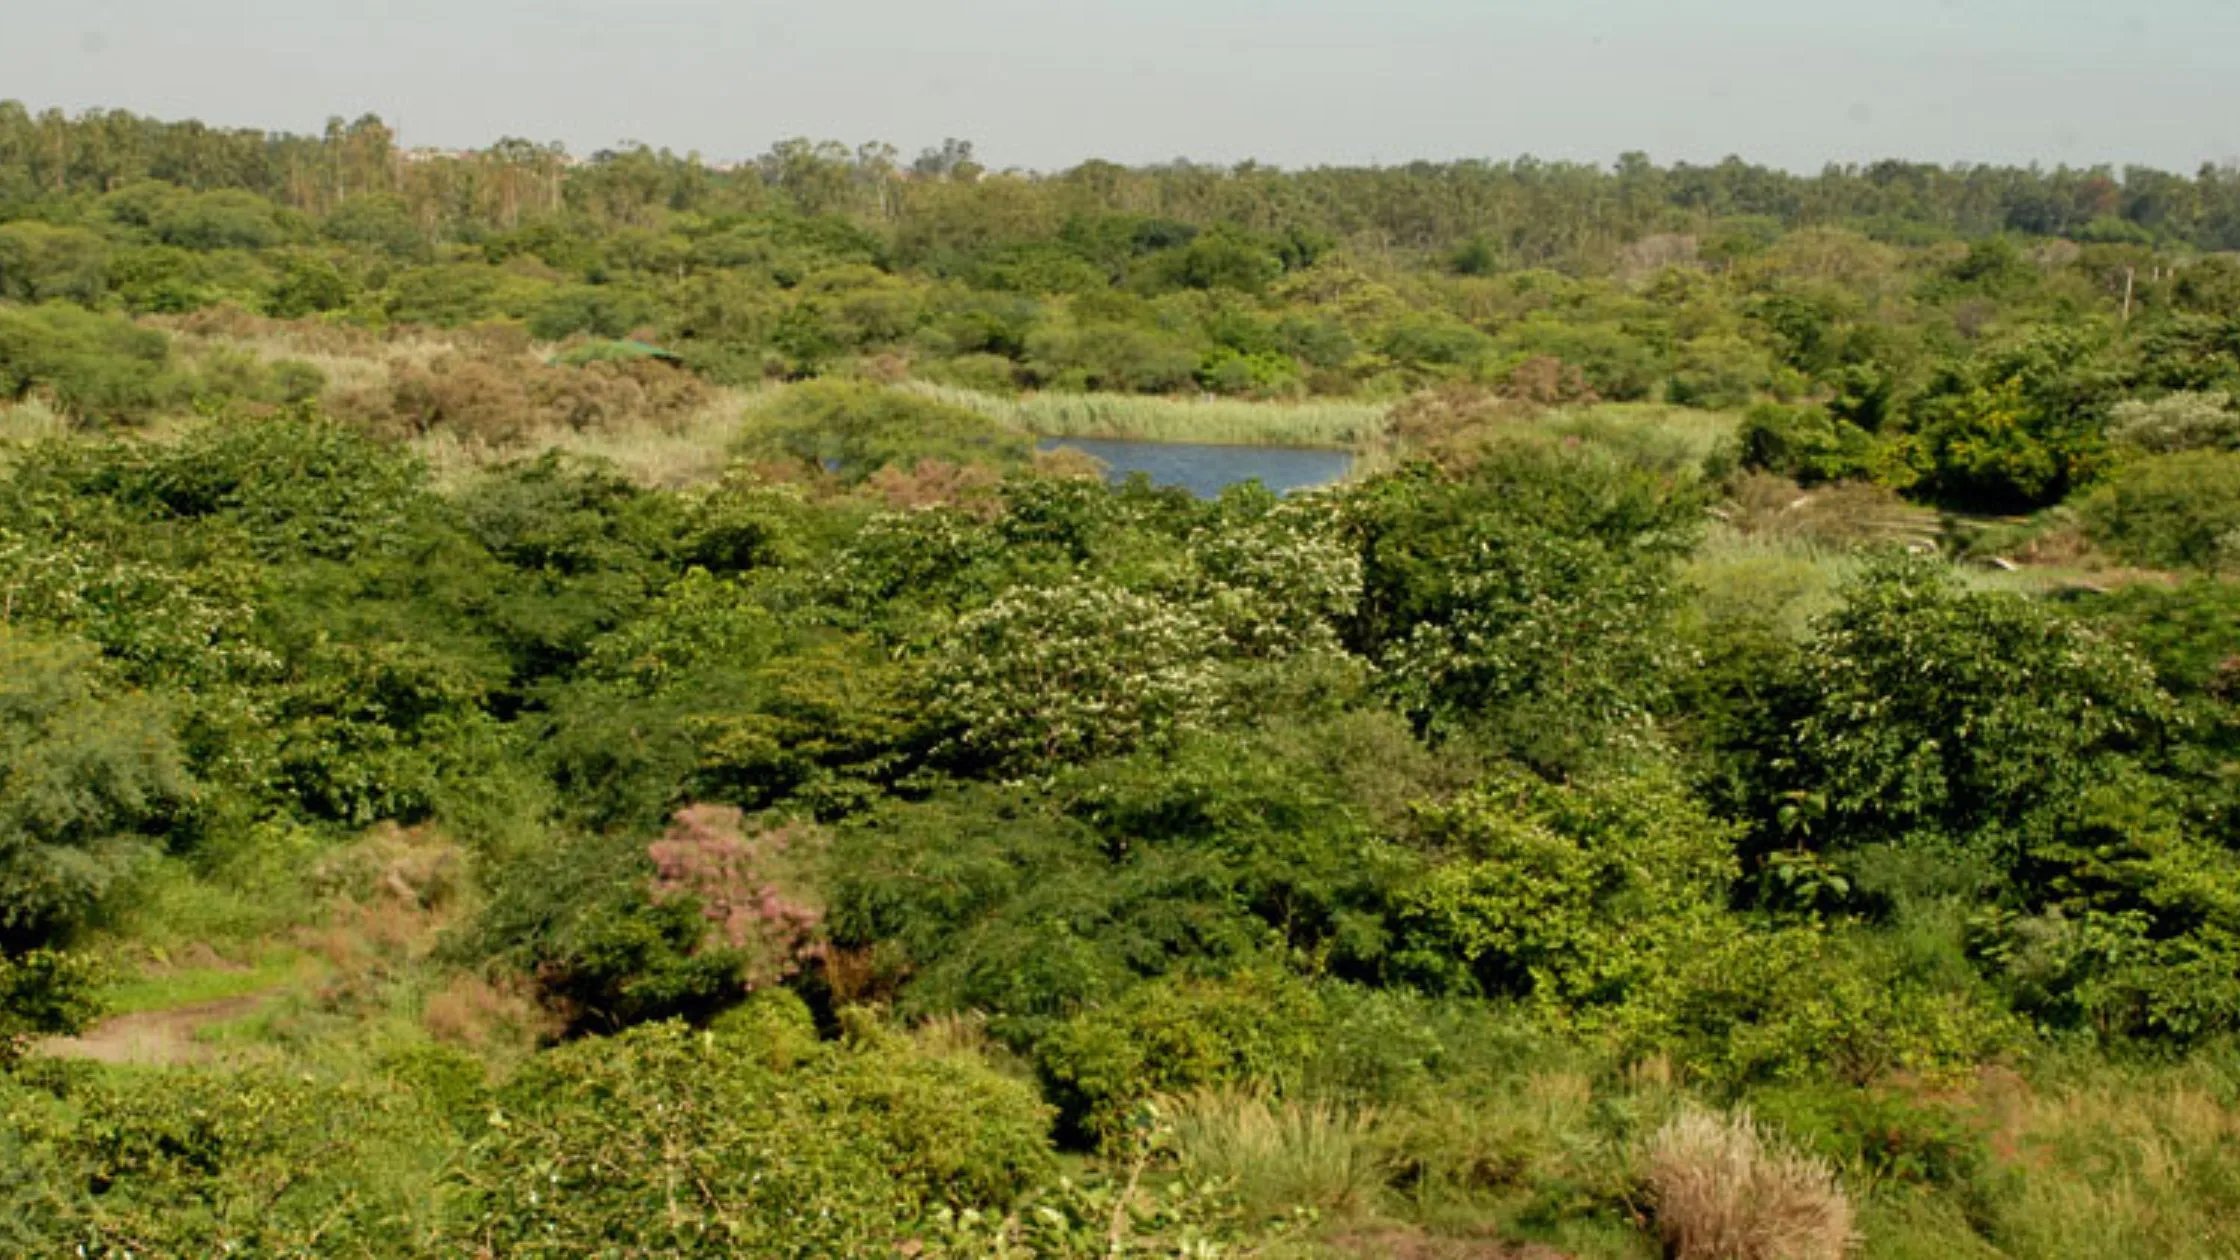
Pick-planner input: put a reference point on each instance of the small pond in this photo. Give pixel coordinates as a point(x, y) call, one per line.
point(1205, 470)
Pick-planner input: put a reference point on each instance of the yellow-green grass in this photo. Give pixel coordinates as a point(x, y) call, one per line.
point(31, 421)
point(1330, 424)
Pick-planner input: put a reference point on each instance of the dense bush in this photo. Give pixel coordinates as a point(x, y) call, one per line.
point(2171, 511)
point(90, 774)
point(690, 1143)
point(851, 431)
point(1575, 898)
point(98, 368)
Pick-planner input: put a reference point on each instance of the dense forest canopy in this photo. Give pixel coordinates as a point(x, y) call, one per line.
point(558, 707)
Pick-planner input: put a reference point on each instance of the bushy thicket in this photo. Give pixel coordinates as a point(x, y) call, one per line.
point(858, 859)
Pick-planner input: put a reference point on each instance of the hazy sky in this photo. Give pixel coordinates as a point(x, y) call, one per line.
point(1047, 83)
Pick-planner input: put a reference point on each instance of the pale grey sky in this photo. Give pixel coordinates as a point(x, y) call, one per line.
point(1047, 83)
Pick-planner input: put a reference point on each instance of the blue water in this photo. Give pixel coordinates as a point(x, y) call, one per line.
point(1205, 470)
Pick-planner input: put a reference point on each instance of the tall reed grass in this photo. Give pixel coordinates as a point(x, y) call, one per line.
point(1333, 424)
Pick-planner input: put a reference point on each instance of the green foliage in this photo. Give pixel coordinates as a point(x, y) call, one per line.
point(1807, 445)
point(1171, 1037)
point(97, 368)
point(2019, 425)
point(1931, 711)
point(45, 993)
point(194, 1162)
point(1521, 600)
point(1880, 1136)
point(1576, 898)
point(664, 1139)
point(89, 776)
point(583, 918)
point(2171, 511)
point(851, 431)
point(1806, 1004)
point(1434, 835)
point(1046, 675)
point(2177, 422)
point(40, 262)
point(295, 487)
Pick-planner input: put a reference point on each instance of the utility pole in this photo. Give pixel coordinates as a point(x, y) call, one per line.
point(2130, 278)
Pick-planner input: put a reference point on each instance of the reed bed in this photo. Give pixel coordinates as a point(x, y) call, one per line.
point(1331, 424)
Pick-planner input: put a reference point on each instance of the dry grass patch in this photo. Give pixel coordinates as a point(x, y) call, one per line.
point(1720, 1190)
point(480, 1015)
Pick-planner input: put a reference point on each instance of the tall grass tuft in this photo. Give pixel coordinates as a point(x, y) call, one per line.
point(1281, 1155)
point(1228, 422)
point(1721, 1191)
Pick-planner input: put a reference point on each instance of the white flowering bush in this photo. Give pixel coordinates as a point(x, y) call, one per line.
point(1277, 585)
point(1071, 672)
point(2184, 421)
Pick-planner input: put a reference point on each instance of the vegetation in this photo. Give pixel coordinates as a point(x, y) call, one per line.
point(555, 708)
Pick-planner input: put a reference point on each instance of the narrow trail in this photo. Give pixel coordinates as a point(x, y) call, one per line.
point(155, 1038)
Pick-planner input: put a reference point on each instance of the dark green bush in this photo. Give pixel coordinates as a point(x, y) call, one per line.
point(98, 368)
point(1256, 1029)
point(90, 776)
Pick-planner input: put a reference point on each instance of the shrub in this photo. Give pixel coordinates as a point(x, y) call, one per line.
point(241, 1161)
point(2171, 511)
point(1255, 1031)
point(2018, 426)
point(1520, 600)
point(45, 993)
point(1932, 711)
point(581, 921)
point(1809, 445)
point(687, 1144)
point(43, 263)
point(1575, 897)
point(850, 431)
point(1721, 1191)
point(99, 368)
point(89, 778)
point(746, 883)
point(1276, 576)
point(1884, 1137)
point(1803, 1004)
point(296, 487)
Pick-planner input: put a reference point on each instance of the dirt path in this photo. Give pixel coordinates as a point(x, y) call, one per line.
point(154, 1037)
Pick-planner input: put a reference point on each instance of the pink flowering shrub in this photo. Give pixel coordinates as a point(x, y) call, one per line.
point(748, 883)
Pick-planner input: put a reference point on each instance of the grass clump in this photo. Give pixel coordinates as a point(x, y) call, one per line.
point(1282, 1154)
point(1722, 1191)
